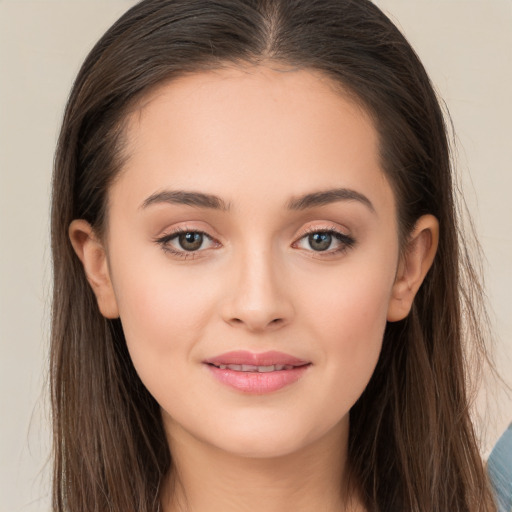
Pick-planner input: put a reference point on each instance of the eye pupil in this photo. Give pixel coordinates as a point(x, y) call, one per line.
point(190, 241)
point(320, 241)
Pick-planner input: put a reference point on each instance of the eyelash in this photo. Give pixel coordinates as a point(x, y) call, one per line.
point(164, 242)
point(346, 241)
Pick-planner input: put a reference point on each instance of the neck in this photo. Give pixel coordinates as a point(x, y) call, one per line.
point(207, 479)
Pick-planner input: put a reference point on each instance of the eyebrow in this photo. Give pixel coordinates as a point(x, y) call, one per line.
point(325, 197)
point(197, 199)
point(300, 203)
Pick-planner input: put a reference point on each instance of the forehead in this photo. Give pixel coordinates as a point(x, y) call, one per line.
point(230, 91)
point(268, 130)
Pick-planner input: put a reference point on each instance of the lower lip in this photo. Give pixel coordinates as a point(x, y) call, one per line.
point(256, 382)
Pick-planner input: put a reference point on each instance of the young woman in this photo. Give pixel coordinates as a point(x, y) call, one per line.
point(258, 293)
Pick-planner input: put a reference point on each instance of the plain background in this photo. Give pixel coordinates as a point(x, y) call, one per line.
point(465, 45)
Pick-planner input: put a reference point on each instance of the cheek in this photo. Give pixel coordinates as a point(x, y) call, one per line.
point(350, 318)
point(351, 303)
point(162, 313)
point(164, 318)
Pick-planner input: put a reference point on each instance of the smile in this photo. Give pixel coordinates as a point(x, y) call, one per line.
point(253, 368)
point(257, 373)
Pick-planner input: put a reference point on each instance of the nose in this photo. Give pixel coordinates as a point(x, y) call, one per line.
point(259, 295)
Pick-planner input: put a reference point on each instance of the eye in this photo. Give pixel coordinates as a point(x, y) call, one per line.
point(329, 241)
point(185, 243)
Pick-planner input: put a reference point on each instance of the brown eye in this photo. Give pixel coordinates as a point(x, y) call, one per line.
point(186, 243)
point(190, 241)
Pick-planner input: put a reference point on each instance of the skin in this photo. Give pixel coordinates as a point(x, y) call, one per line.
point(257, 138)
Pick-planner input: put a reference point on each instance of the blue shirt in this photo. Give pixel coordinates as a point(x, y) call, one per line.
point(499, 467)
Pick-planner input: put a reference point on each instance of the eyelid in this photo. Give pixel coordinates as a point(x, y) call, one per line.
point(322, 229)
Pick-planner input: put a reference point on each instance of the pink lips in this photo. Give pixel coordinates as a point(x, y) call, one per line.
point(257, 373)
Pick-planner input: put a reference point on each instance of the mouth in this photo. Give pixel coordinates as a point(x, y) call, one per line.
point(243, 360)
point(255, 373)
point(257, 369)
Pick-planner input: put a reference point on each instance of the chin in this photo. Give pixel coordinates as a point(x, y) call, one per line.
point(262, 446)
point(266, 439)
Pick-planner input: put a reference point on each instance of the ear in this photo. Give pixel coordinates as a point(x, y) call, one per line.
point(93, 256)
point(414, 264)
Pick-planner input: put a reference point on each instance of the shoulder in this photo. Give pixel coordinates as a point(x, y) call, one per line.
point(499, 468)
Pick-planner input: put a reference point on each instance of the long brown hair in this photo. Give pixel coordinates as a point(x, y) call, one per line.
point(412, 445)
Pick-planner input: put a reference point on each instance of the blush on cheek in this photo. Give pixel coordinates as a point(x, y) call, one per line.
point(354, 323)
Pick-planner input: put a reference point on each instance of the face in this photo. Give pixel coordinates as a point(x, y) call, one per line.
point(252, 225)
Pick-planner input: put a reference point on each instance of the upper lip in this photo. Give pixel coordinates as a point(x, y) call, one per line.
point(256, 359)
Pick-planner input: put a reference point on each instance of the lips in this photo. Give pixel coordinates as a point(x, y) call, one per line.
point(253, 368)
point(251, 372)
point(250, 359)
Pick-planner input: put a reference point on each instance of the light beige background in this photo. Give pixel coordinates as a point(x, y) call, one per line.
point(467, 49)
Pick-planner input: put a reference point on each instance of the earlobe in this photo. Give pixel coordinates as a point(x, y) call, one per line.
point(93, 256)
point(416, 261)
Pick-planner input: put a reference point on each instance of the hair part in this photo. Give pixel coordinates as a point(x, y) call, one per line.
point(412, 445)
